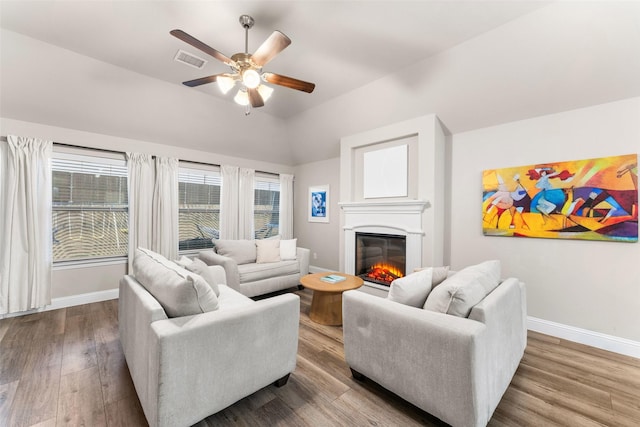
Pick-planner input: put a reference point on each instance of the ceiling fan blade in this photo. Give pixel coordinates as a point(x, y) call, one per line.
point(289, 82)
point(202, 80)
point(203, 47)
point(254, 98)
point(272, 46)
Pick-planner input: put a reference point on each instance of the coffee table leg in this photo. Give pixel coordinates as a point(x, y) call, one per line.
point(326, 308)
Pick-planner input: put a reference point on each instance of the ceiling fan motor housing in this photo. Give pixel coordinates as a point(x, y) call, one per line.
point(246, 21)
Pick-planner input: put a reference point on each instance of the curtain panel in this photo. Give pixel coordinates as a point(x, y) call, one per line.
point(246, 198)
point(286, 206)
point(25, 224)
point(165, 208)
point(229, 202)
point(141, 187)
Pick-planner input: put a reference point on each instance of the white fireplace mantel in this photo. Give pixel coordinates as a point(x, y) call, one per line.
point(402, 218)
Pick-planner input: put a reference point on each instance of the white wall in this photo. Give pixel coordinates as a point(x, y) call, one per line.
point(73, 281)
point(323, 239)
point(585, 284)
point(575, 53)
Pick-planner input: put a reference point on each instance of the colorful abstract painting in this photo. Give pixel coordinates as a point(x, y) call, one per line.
point(593, 199)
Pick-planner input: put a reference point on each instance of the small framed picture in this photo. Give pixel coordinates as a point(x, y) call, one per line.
point(319, 203)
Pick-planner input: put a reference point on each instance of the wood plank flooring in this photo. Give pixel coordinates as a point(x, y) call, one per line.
point(66, 368)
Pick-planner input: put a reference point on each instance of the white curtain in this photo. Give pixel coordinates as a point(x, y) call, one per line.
point(165, 208)
point(285, 226)
point(246, 197)
point(25, 224)
point(229, 202)
point(141, 186)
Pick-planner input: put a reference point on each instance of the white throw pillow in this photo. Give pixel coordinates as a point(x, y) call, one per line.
point(183, 261)
point(180, 292)
point(268, 250)
point(412, 289)
point(199, 267)
point(459, 293)
point(288, 249)
point(438, 276)
point(241, 251)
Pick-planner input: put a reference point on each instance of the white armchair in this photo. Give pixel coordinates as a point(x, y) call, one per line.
point(455, 368)
point(187, 368)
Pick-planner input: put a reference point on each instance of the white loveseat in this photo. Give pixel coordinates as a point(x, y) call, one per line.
point(192, 353)
point(452, 356)
point(258, 267)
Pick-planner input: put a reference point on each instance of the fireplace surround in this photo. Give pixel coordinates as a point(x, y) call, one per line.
point(402, 219)
point(415, 212)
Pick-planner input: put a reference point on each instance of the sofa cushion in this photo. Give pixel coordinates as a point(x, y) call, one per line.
point(288, 249)
point(252, 272)
point(267, 250)
point(241, 251)
point(459, 293)
point(412, 289)
point(199, 267)
point(231, 299)
point(180, 292)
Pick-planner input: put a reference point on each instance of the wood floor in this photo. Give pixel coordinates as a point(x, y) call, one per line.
point(66, 367)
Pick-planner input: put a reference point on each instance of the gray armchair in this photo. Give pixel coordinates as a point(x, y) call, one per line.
point(454, 368)
point(187, 368)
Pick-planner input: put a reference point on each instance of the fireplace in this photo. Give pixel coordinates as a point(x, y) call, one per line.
point(380, 258)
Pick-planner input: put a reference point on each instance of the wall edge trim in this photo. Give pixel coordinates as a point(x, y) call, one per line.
point(584, 336)
point(70, 301)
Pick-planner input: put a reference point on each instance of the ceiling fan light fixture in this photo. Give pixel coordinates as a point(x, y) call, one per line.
point(242, 97)
point(265, 92)
point(225, 84)
point(251, 78)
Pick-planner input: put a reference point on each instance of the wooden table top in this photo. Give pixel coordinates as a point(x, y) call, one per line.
point(312, 281)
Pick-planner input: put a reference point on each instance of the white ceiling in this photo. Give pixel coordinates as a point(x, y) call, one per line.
point(342, 46)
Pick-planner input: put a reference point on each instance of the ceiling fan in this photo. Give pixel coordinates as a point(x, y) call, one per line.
point(247, 68)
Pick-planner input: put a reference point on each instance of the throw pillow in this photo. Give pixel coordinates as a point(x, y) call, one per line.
point(179, 292)
point(412, 289)
point(459, 293)
point(183, 261)
point(199, 267)
point(267, 250)
point(439, 274)
point(288, 249)
point(241, 251)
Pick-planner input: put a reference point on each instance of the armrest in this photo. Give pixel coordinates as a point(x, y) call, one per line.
point(229, 265)
point(442, 355)
point(303, 255)
point(504, 313)
point(222, 356)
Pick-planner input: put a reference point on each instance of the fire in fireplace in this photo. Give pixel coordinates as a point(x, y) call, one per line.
point(380, 258)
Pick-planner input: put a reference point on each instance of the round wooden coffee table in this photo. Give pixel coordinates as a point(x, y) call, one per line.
point(326, 305)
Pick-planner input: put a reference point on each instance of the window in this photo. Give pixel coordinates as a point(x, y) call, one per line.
point(90, 207)
point(199, 206)
point(266, 205)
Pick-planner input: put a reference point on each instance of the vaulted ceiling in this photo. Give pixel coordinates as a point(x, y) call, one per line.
point(108, 67)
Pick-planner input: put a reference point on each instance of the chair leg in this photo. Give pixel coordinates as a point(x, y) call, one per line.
point(357, 375)
point(282, 381)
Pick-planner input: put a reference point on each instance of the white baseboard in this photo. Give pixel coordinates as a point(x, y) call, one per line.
point(571, 333)
point(584, 336)
point(63, 302)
